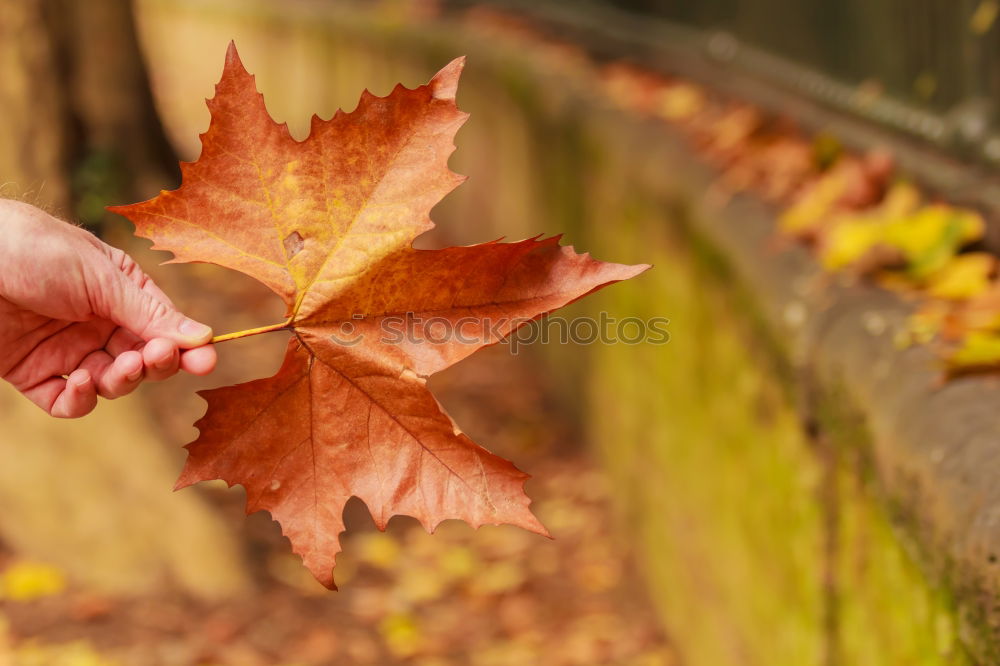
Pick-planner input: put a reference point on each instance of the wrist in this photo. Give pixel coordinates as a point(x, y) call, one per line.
point(20, 228)
point(10, 232)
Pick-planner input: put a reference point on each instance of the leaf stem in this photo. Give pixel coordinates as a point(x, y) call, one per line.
point(283, 326)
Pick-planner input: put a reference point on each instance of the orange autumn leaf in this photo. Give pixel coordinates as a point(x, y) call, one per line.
point(327, 223)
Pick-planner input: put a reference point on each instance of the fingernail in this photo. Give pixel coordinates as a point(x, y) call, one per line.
point(193, 329)
point(81, 383)
point(134, 376)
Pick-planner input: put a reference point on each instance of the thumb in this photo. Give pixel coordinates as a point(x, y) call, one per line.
point(137, 310)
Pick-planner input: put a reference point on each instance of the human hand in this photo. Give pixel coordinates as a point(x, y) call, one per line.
point(79, 318)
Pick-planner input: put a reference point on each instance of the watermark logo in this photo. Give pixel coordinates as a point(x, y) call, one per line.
point(413, 329)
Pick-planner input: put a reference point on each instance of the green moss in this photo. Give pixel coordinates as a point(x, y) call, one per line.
point(715, 477)
point(886, 611)
point(885, 608)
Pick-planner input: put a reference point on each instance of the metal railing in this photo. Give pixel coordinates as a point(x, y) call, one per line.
point(929, 68)
point(936, 54)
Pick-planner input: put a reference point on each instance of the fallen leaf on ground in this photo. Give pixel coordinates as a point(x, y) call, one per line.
point(27, 581)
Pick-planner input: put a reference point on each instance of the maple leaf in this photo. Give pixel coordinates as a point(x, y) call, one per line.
point(327, 223)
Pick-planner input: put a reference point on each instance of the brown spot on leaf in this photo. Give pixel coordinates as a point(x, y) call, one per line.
point(293, 244)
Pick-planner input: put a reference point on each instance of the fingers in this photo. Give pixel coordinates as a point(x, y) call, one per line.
point(200, 361)
point(129, 298)
point(101, 374)
point(161, 358)
point(114, 377)
point(122, 376)
point(123, 340)
point(78, 398)
point(150, 288)
point(68, 398)
point(130, 333)
point(156, 360)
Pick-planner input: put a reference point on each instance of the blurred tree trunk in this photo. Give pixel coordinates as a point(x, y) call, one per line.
point(34, 133)
point(79, 131)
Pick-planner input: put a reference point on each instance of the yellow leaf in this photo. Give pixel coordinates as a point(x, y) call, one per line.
point(977, 350)
point(852, 236)
point(901, 199)
point(27, 581)
point(848, 242)
point(379, 550)
point(458, 563)
point(965, 276)
point(680, 101)
point(810, 211)
point(932, 236)
point(402, 635)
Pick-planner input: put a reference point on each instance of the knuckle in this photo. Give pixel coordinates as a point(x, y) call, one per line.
point(131, 268)
point(117, 257)
point(104, 290)
point(154, 312)
point(157, 310)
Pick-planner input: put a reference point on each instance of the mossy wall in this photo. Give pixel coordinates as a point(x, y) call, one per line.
point(763, 541)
